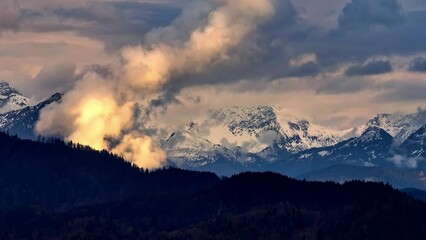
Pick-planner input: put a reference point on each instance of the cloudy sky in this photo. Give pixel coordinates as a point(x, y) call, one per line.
point(337, 62)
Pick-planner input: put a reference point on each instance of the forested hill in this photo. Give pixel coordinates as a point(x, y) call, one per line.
point(53, 190)
point(56, 175)
point(246, 206)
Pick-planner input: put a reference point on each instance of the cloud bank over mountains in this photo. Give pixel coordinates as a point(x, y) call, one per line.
point(99, 112)
point(338, 63)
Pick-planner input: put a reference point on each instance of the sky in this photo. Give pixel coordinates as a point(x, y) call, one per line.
point(335, 62)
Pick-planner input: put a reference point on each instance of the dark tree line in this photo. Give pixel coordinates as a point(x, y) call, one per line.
point(57, 190)
point(58, 175)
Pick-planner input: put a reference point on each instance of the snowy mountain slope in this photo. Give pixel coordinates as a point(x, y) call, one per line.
point(257, 128)
point(399, 126)
point(372, 148)
point(185, 149)
point(22, 121)
point(11, 99)
point(415, 145)
point(214, 158)
point(245, 136)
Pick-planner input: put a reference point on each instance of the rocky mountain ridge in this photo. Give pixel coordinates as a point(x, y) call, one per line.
point(235, 139)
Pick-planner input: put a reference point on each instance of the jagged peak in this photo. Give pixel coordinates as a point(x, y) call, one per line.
point(55, 97)
point(379, 119)
point(374, 133)
point(374, 129)
point(238, 109)
point(7, 90)
point(270, 112)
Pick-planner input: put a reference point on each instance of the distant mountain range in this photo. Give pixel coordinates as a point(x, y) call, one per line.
point(264, 138)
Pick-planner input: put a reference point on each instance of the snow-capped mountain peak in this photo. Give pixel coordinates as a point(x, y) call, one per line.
point(11, 99)
point(373, 133)
point(399, 126)
point(6, 89)
point(261, 127)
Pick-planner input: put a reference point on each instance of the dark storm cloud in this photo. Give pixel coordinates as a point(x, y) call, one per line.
point(363, 14)
point(304, 70)
point(370, 68)
point(287, 15)
point(382, 28)
point(124, 12)
point(366, 29)
point(418, 65)
point(161, 103)
point(115, 23)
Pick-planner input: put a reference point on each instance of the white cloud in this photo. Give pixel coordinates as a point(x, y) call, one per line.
point(408, 162)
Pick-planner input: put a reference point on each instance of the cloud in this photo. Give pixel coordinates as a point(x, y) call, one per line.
point(189, 19)
point(333, 120)
point(226, 28)
point(100, 111)
point(40, 64)
point(268, 137)
point(364, 14)
point(370, 68)
point(345, 86)
point(116, 23)
point(57, 78)
point(406, 162)
point(404, 39)
point(140, 150)
point(304, 70)
point(418, 65)
point(396, 91)
point(10, 14)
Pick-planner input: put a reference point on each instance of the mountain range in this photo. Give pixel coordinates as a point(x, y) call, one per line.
point(264, 138)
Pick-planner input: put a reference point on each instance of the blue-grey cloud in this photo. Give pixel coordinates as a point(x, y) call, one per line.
point(397, 91)
point(370, 68)
point(405, 39)
point(304, 70)
point(115, 23)
point(418, 65)
point(364, 14)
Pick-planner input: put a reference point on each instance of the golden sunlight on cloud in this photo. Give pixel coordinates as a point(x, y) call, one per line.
point(98, 109)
